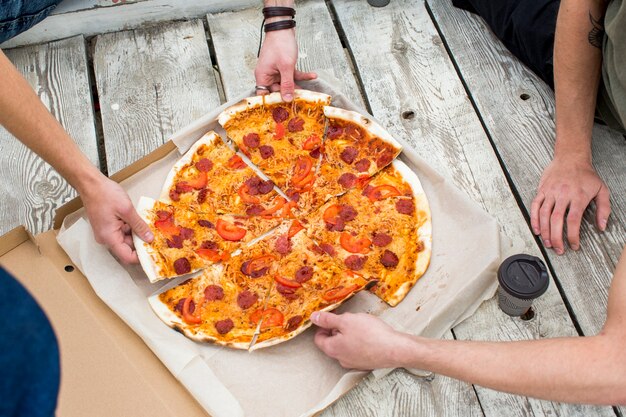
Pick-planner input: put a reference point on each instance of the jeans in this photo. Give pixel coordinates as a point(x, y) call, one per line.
point(29, 354)
point(16, 16)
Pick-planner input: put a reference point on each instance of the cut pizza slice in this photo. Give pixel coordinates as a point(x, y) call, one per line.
point(211, 178)
point(382, 231)
point(186, 241)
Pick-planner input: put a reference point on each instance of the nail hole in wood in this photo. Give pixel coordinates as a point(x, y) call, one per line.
point(69, 268)
point(524, 96)
point(408, 115)
point(529, 315)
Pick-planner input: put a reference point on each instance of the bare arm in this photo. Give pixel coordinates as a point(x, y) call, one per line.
point(578, 370)
point(570, 181)
point(110, 211)
point(276, 67)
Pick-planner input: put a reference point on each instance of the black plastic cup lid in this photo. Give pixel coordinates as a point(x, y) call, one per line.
point(523, 276)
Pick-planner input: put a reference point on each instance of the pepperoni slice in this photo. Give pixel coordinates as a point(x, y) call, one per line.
point(252, 140)
point(254, 210)
point(204, 165)
point(202, 195)
point(334, 132)
point(224, 326)
point(338, 226)
point(384, 158)
point(353, 131)
point(304, 274)
point(175, 242)
point(405, 206)
point(389, 259)
point(206, 223)
point(257, 267)
point(208, 244)
point(280, 114)
point(295, 125)
point(347, 213)
point(213, 293)
point(282, 245)
point(246, 299)
point(362, 165)
point(179, 305)
point(328, 249)
point(182, 266)
point(288, 292)
point(293, 323)
point(347, 180)
point(266, 151)
point(186, 233)
point(349, 154)
point(315, 153)
point(265, 187)
point(381, 239)
point(355, 262)
point(174, 195)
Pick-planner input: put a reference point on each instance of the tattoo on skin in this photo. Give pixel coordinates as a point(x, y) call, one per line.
point(596, 34)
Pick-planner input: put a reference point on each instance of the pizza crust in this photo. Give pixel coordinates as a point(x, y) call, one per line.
point(209, 139)
point(368, 124)
point(268, 99)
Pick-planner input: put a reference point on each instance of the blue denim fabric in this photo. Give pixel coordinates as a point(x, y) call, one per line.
point(29, 354)
point(16, 16)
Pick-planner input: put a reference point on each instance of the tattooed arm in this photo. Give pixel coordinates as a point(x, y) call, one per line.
point(570, 182)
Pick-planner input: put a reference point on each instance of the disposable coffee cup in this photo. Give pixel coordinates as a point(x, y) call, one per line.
point(522, 278)
point(378, 3)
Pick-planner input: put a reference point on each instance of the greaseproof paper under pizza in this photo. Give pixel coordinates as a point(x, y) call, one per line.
point(323, 211)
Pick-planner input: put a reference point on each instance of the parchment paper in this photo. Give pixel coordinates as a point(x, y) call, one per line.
point(295, 378)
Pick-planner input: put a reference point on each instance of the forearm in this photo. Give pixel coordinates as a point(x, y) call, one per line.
point(577, 64)
point(25, 116)
point(282, 3)
point(578, 370)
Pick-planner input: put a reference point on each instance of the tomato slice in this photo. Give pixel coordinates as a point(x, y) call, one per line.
point(245, 197)
point(199, 182)
point(295, 227)
point(331, 214)
point(311, 142)
point(235, 162)
point(306, 183)
point(187, 315)
point(280, 131)
point(354, 245)
point(229, 231)
point(271, 317)
point(301, 170)
point(362, 181)
point(287, 209)
point(167, 227)
point(382, 191)
point(209, 254)
point(280, 202)
point(287, 282)
point(258, 263)
point(339, 292)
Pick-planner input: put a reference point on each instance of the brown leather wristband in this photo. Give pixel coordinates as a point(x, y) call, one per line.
point(278, 11)
point(280, 25)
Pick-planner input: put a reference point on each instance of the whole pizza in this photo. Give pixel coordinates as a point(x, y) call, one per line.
point(310, 208)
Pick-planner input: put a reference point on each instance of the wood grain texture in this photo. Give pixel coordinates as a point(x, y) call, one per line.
point(526, 128)
point(151, 82)
point(411, 72)
point(236, 39)
point(31, 189)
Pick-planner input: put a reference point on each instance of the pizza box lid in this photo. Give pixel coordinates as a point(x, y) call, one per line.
point(106, 369)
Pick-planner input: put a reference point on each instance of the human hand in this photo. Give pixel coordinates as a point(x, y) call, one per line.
point(276, 67)
point(567, 184)
point(358, 341)
point(113, 218)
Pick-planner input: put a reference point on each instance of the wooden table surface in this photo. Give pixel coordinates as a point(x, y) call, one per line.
point(432, 74)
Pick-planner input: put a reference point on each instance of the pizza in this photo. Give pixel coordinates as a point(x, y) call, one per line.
point(302, 207)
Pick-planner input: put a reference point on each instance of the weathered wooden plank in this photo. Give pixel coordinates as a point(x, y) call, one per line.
point(319, 47)
point(31, 190)
point(526, 127)
point(151, 82)
point(92, 17)
point(235, 38)
point(414, 90)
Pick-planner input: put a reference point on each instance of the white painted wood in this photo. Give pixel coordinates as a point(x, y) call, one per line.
point(526, 127)
point(92, 17)
point(151, 82)
point(236, 39)
point(404, 67)
point(30, 189)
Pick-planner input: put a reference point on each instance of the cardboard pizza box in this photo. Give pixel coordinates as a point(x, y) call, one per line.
point(106, 369)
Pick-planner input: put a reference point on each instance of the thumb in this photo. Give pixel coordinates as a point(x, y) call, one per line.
point(603, 207)
point(326, 320)
point(138, 226)
point(287, 84)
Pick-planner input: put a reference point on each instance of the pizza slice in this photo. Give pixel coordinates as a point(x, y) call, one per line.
point(186, 241)
point(211, 178)
point(381, 230)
